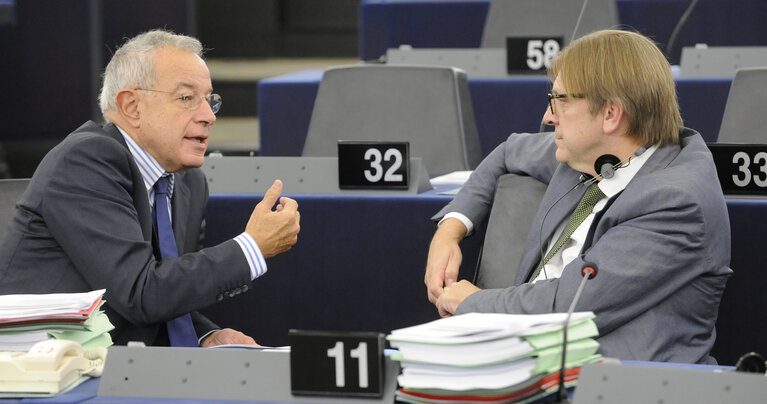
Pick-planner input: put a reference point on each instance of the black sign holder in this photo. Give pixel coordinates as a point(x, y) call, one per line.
point(742, 168)
point(531, 55)
point(341, 364)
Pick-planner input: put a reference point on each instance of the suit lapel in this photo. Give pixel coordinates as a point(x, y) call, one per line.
point(139, 194)
point(180, 207)
point(553, 211)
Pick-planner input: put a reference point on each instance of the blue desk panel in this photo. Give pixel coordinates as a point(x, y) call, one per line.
point(501, 106)
point(358, 265)
point(360, 260)
point(387, 24)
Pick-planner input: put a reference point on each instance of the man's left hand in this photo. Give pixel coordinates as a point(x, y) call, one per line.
point(227, 336)
point(453, 295)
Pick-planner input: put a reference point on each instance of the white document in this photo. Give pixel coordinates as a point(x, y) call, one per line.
point(23, 305)
point(454, 178)
point(495, 377)
point(476, 327)
point(465, 355)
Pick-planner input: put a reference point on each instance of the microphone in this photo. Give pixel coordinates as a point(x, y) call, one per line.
point(588, 271)
point(578, 21)
point(677, 28)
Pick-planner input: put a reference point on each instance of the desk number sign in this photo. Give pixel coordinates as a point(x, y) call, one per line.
point(742, 168)
point(373, 165)
point(531, 54)
point(336, 364)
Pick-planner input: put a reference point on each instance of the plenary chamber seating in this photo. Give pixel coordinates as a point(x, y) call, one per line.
point(508, 18)
point(10, 193)
point(515, 205)
point(744, 119)
point(428, 106)
point(741, 324)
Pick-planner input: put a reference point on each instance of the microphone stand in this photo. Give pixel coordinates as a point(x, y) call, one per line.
point(591, 269)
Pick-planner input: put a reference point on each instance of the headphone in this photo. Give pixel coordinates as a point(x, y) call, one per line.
point(606, 164)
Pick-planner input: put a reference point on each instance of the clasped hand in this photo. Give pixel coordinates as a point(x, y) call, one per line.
point(442, 268)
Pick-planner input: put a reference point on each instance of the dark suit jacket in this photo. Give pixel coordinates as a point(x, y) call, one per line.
point(84, 223)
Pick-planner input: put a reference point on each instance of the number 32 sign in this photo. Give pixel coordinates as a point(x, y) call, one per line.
point(373, 165)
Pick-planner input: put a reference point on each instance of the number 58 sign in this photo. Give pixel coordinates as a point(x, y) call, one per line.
point(340, 364)
point(531, 54)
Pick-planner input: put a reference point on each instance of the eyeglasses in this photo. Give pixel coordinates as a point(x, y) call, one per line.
point(553, 97)
point(193, 100)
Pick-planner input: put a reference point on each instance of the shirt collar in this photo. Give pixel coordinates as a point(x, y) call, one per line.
point(151, 170)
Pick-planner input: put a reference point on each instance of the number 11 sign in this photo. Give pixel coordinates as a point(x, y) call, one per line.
point(336, 364)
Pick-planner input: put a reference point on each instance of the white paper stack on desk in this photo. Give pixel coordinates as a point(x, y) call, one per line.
point(26, 319)
point(490, 357)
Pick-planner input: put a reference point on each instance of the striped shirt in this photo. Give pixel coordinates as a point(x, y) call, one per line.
point(151, 171)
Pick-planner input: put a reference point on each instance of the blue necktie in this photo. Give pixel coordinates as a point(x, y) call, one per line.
point(180, 330)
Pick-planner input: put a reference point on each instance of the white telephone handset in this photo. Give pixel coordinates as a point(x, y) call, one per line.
point(48, 367)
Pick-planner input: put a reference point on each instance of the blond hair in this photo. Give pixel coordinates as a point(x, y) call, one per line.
point(628, 69)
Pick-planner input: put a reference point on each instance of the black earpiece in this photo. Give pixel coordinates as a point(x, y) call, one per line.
point(605, 165)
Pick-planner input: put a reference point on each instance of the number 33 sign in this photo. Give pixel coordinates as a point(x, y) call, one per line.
point(337, 364)
point(742, 168)
point(373, 165)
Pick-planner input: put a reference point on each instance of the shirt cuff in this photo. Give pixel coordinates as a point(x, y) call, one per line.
point(465, 220)
point(253, 255)
point(199, 340)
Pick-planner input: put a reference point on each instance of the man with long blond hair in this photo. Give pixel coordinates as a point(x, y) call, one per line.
point(656, 223)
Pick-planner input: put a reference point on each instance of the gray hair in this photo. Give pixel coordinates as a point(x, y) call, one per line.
point(132, 65)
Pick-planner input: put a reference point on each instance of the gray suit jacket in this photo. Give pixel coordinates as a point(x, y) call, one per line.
point(84, 223)
point(662, 247)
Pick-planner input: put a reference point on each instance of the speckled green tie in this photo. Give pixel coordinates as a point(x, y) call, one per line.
point(587, 203)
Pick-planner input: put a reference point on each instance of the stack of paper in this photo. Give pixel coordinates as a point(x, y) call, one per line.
point(451, 183)
point(31, 318)
point(490, 357)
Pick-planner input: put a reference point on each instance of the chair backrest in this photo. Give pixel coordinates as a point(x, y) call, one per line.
point(429, 106)
point(10, 193)
point(515, 205)
point(545, 18)
point(744, 120)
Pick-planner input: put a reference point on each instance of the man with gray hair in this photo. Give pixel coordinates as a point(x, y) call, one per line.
point(120, 206)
